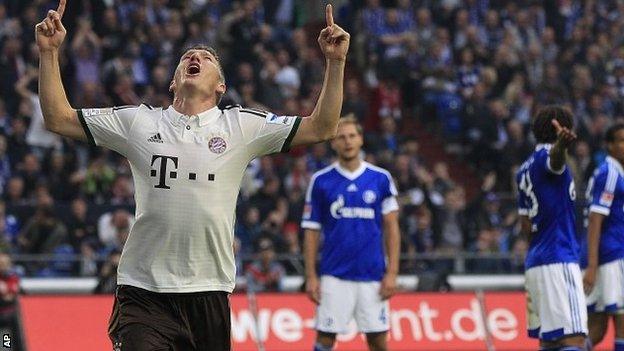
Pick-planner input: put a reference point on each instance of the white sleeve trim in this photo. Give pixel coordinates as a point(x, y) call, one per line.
point(389, 204)
point(557, 172)
point(311, 225)
point(523, 212)
point(599, 209)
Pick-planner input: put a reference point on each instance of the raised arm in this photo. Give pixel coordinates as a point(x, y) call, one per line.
point(558, 152)
point(322, 124)
point(21, 87)
point(59, 116)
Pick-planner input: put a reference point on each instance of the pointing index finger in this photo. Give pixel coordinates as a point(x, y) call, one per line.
point(329, 16)
point(61, 7)
point(556, 124)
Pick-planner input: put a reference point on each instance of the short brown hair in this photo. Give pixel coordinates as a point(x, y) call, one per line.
point(351, 119)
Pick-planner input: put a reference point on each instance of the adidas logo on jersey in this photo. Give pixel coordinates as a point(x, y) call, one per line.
point(155, 138)
point(352, 188)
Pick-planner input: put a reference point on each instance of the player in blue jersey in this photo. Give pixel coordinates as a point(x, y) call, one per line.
point(604, 274)
point(353, 205)
point(557, 314)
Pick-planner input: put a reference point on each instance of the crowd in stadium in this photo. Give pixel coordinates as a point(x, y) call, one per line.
point(469, 73)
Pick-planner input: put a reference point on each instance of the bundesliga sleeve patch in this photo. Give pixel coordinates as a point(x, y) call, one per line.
point(606, 198)
point(275, 119)
point(96, 111)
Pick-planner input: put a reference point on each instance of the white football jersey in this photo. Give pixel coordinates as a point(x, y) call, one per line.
point(187, 172)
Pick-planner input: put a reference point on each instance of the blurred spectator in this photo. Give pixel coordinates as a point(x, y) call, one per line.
point(98, 179)
point(107, 279)
point(10, 228)
point(265, 274)
point(113, 228)
point(42, 233)
point(248, 229)
point(9, 290)
point(38, 137)
point(79, 225)
point(121, 191)
point(354, 101)
point(5, 164)
point(419, 237)
point(268, 197)
point(298, 178)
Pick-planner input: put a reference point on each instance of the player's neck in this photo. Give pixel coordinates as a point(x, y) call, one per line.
point(350, 165)
point(192, 105)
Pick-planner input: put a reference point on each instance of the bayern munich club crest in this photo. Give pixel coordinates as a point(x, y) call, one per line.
point(217, 145)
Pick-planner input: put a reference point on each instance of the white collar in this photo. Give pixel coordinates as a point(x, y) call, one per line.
point(203, 118)
point(538, 147)
point(615, 163)
point(351, 175)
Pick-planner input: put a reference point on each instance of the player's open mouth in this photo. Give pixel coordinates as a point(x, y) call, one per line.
point(193, 69)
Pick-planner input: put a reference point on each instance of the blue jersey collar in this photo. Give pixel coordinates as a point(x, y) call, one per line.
point(351, 175)
point(538, 147)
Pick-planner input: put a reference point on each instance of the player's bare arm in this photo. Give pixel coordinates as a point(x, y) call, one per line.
point(60, 117)
point(593, 243)
point(392, 239)
point(310, 250)
point(525, 227)
point(565, 138)
point(322, 123)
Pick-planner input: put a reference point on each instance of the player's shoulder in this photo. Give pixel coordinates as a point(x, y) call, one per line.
point(602, 171)
point(322, 174)
point(142, 108)
point(377, 171)
point(250, 112)
point(542, 151)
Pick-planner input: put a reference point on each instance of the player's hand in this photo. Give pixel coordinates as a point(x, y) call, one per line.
point(333, 40)
point(50, 32)
point(313, 289)
point(589, 279)
point(565, 136)
point(388, 286)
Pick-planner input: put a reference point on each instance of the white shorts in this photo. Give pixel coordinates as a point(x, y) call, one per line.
point(344, 300)
point(608, 292)
point(555, 301)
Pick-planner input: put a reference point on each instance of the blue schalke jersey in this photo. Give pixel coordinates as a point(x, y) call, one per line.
point(547, 197)
point(348, 208)
point(605, 195)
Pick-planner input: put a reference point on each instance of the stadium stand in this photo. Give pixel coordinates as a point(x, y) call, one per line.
point(445, 89)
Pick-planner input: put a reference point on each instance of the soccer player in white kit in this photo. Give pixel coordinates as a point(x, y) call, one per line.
point(353, 205)
point(177, 267)
point(604, 256)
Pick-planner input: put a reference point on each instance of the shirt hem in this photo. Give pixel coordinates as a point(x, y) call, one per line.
point(527, 267)
point(354, 279)
point(176, 289)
